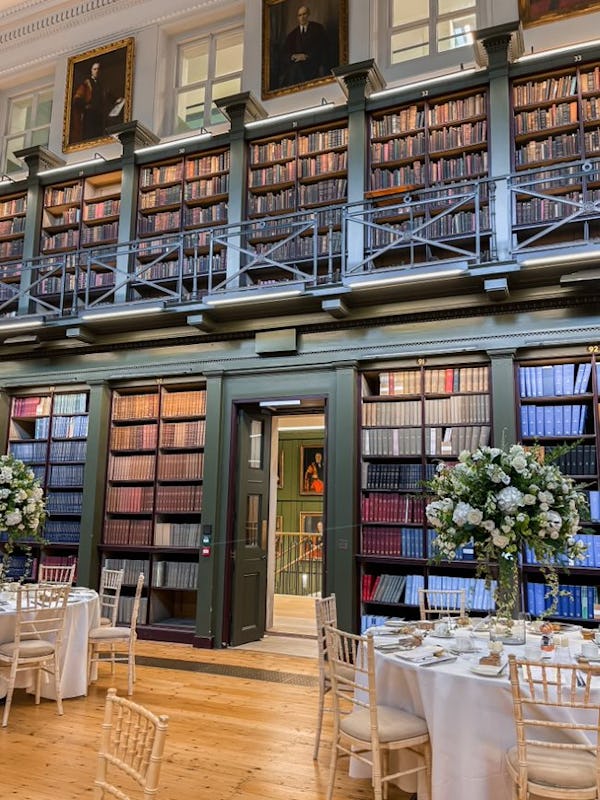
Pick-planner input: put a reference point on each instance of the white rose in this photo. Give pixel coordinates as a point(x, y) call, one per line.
point(519, 463)
point(499, 539)
point(474, 516)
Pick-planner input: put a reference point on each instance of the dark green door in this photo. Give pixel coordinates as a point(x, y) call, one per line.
point(249, 587)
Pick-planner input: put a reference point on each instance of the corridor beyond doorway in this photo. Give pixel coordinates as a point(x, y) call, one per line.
point(293, 614)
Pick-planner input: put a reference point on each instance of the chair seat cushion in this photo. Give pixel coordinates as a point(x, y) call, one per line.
point(108, 633)
point(563, 769)
point(393, 723)
point(105, 621)
point(29, 648)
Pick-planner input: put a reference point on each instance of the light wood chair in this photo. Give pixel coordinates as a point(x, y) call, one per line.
point(558, 728)
point(39, 625)
point(362, 728)
point(111, 581)
point(57, 573)
point(133, 741)
point(437, 603)
point(102, 641)
point(325, 614)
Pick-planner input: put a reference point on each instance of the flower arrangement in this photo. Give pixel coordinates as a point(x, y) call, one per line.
point(500, 501)
point(22, 507)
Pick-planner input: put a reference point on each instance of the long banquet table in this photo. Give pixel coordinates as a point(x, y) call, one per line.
point(83, 613)
point(469, 717)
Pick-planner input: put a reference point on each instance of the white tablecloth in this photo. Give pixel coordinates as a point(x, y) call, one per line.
point(83, 613)
point(470, 721)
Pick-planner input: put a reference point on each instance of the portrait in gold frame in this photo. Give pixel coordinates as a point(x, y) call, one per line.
point(536, 12)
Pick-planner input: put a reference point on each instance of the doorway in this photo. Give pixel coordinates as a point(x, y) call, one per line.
point(297, 543)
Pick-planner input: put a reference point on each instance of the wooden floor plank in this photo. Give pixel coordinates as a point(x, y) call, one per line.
point(246, 737)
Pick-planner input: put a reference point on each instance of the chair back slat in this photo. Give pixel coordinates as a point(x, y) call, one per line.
point(111, 582)
point(436, 603)
point(133, 740)
point(41, 612)
point(57, 573)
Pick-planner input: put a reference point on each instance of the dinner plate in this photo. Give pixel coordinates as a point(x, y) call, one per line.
point(557, 627)
point(488, 670)
point(393, 622)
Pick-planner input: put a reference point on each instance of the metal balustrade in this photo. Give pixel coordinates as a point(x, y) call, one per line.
point(298, 563)
point(328, 247)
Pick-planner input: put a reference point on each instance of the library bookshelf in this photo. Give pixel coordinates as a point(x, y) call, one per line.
point(556, 127)
point(79, 216)
point(412, 418)
point(295, 172)
point(182, 195)
point(420, 153)
point(12, 232)
point(48, 432)
point(153, 501)
point(558, 405)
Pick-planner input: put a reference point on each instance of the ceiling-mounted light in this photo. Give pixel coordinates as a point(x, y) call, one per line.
point(562, 258)
point(253, 295)
point(20, 323)
point(418, 84)
point(257, 123)
point(65, 167)
point(407, 275)
point(153, 148)
point(113, 312)
point(279, 403)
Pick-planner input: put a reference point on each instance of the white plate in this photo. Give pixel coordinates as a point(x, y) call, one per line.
point(564, 627)
point(487, 670)
point(393, 623)
point(435, 635)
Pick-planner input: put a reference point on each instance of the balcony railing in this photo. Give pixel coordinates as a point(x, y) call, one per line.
point(317, 250)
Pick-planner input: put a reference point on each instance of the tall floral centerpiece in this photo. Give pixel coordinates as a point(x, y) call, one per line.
point(501, 501)
point(22, 508)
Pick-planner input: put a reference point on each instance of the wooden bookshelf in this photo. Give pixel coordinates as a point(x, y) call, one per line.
point(13, 209)
point(556, 120)
point(411, 418)
point(558, 405)
point(48, 432)
point(153, 502)
point(421, 152)
point(296, 171)
point(186, 195)
point(78, 215)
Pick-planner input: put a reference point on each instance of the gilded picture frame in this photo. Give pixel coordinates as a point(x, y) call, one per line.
point(312, 469)
point(311, 523)
point(537, 12)
point(98, 94)
point(291, 66)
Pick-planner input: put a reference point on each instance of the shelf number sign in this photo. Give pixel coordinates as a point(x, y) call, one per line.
point(593, 348)
point(421, 361)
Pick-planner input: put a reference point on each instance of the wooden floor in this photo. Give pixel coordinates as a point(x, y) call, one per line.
point(241, 726)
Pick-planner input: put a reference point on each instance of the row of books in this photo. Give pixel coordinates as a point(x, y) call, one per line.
point(458, 408)
point(434, 381)
point(384, 588)
point(478, 596)
point(594, 501)
point(551, 420)
point(135, 406)
point(131, 568)
point(396, 475)
point(175, 574)
point(377, 507)
point(177, 534)
point(62, 531)
point(125, 610)
point(134, 437)
point(64, 502)
point(133, 532)
point(179, 499)
point(554, 380)
point(404, 542)
point(68, 450)
point(592, 556)
point(435, 441)
point(579, 460)
point(577, 602)
point(66, 475)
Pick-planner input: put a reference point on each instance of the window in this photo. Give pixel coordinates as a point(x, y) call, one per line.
point(207, 68)
point(28, 124)
point(426, 28)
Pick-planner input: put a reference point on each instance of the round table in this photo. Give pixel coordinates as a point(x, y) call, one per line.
point(469, 716)
point(83, 613)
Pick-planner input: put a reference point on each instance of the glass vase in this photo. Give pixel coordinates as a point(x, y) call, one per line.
point(510, 624)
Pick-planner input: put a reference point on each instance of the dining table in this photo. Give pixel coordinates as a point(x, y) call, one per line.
point(467, 706)
point(82, 614)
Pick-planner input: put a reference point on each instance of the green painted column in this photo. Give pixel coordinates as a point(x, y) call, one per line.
point(503, 397)
point(211, 568)
point(37, 159)
point(357, 81)
point(94, 484)
point(239, 109)
point(342, 519)
point(132, 135)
